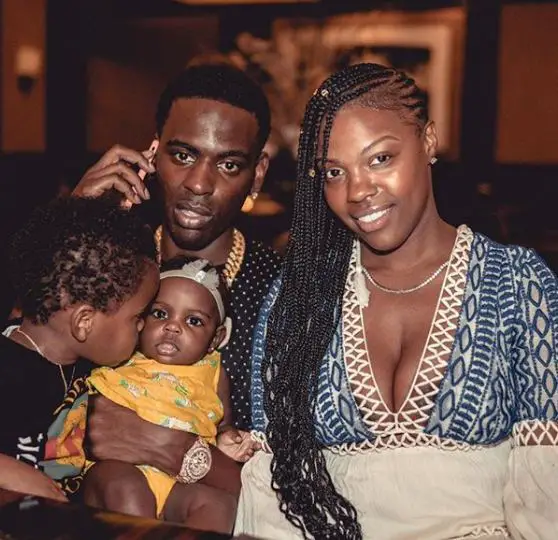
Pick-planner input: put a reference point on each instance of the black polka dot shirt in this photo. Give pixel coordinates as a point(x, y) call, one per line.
point(259, 268)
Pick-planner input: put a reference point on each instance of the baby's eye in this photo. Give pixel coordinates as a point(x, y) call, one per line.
point(192, 320)
point(158, 313)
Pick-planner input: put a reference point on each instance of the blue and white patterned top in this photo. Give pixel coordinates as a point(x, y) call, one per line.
point(490, 363)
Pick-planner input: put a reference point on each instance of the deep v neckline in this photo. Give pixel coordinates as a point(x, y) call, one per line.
point(415, 409)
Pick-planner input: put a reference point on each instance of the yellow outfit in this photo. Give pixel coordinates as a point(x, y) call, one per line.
point(178, 397)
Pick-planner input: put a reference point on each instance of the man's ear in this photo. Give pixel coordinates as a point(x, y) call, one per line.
point(82, 321)
point(261, 170)
point(430, 140)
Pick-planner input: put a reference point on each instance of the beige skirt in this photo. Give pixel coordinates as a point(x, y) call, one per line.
point(403, 494)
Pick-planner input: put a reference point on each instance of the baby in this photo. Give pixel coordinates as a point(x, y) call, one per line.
point(176, 381)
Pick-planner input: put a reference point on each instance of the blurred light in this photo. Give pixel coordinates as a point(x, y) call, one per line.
point(28, 67)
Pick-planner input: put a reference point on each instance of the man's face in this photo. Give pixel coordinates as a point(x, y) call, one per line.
point(208, 162)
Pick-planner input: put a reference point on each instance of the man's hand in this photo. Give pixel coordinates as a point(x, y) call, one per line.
point(114, 432)
point(237, 444)
point(114, 171)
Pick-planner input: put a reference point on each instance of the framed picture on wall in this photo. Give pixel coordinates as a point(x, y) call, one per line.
point(303, 52)
point(424, 51)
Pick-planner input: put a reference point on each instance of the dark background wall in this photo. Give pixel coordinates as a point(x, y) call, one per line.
point(105, 62)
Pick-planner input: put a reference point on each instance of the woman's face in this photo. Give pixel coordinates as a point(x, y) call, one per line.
point(378, 179)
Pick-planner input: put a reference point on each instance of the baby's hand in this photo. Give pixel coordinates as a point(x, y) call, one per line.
point(237, 444)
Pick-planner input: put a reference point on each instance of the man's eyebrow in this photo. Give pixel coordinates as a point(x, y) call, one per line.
point(181, 144)
point(177, 143)
point(235, 153)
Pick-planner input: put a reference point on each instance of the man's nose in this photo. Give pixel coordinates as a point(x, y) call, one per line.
point(200, 178)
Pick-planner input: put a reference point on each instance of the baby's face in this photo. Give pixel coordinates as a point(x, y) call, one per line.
point(181, 324)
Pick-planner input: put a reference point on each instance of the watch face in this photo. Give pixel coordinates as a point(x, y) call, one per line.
point(196, 462)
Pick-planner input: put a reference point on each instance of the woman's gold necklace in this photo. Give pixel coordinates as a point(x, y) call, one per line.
point(234, 260)
point(422, 284)
point(38, 349)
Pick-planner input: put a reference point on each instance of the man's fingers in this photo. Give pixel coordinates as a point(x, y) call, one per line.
point(129, 192)
point(128, 174)
point(110, 177)
point(59, 495)
point(120, 153)
point(97, 186)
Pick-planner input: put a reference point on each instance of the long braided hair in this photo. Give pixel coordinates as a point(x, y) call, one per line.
point(306, 312)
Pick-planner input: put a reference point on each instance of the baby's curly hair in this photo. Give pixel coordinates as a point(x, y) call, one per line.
point(79, 250)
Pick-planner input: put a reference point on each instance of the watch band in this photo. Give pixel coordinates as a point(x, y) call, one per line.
point(196, 462)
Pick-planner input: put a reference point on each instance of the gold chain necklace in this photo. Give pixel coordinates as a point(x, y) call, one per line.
point(422, 284)
point(234, 260)
point(38, 349)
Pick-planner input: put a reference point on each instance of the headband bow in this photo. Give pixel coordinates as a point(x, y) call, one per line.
point(209, 278)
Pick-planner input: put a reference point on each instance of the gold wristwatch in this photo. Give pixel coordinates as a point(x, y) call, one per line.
point(196, 462)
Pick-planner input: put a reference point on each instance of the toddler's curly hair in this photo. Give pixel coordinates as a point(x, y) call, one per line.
point(79, 250)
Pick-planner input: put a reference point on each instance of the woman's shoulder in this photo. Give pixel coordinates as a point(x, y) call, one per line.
point(513, 255)
point(511, 263)
point(494, 246)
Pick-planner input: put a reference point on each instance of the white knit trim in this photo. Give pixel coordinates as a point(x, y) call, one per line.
point(486, 532)
point(535, 433)
point(415, 411)
point(392, 441)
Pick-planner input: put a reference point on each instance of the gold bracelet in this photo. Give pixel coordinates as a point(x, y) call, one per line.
point(196, 463)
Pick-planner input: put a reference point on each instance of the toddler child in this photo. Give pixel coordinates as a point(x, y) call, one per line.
point(84, 272)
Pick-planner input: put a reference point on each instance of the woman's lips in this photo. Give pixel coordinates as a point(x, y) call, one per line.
point(375, 219)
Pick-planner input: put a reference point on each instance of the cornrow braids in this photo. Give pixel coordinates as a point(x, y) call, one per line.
point(307, 310)
point(217, 82)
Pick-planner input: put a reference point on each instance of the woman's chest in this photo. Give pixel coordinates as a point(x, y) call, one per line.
point(461, 389)
point(397, 330)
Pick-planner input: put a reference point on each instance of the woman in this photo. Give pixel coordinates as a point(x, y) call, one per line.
point(405, 371)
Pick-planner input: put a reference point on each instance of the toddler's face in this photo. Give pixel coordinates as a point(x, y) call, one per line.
point(114, 335)
point(181, 325)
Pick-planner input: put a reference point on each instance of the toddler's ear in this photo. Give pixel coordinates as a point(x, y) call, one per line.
point(82, 320)
point(222, 335)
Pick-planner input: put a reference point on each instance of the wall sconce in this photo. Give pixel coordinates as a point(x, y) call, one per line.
point(28, 67)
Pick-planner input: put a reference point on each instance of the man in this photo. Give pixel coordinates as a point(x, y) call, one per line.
point(212, 125)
